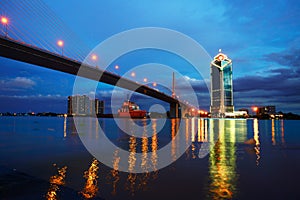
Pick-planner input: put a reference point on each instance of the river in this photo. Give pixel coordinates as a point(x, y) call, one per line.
point(44, 158)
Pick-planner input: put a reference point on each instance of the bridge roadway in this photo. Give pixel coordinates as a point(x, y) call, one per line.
point(16, 50)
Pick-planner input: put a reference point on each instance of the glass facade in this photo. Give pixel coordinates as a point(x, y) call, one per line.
point(221, 86)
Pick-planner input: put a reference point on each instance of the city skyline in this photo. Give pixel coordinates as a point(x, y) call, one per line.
point(263, 51)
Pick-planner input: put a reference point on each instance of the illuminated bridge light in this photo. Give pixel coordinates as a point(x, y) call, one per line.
point(60, 43)
point(94, 57)
point(4, 20)
point(132, 74)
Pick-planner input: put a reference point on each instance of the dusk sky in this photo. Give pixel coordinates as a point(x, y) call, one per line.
point(261, 37)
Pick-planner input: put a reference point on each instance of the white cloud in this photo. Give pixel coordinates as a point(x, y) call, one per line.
point(16, 84)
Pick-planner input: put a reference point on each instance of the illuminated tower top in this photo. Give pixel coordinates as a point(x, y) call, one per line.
point(221, 60)
point(221, 85)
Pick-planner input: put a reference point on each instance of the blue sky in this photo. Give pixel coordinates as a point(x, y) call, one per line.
point(261, 37)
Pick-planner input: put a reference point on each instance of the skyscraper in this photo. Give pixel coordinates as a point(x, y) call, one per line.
point(83, 105)
point(221, 86)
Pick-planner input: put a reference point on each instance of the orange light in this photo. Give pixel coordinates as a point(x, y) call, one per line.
point(4, 20)
point(94, 57)
point(145, 79)
point(193, 109)
point(254, 109)
point(154, 84)
point(60, 43)
point(117, 67)
point(132, 74)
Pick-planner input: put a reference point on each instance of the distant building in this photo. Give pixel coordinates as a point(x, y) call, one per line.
point(83, 105)
point(221, 86)
point(99, 106)
point(245, 110)
point(266, 110)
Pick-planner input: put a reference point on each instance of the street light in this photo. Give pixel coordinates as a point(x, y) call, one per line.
point(4, 21)
point(95, 58)
point(145, 80)
point(117, 67)
point(132, 74)
point(255, 109)
point(60, 43)
point(154, 84)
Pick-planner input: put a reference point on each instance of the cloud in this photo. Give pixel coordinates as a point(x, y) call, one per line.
point(197, 84)
point(17, 84)
point(289, 58)
point(279, 87)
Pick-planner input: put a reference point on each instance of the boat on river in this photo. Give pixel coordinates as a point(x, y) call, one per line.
point(132, 110)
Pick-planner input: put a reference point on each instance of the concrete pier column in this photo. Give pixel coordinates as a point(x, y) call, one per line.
point(174, 110)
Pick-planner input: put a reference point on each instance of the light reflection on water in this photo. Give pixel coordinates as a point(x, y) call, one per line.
point(222, 157)
point(227, 135)
point(55, 182)
point(91, 186)
point(222, 160)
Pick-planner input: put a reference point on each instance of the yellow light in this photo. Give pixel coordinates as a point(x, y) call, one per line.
point(193, 109)
point(154, 84)
point(4, 20)
point(255, 108)
point(116, 67)
point(60, 43)
point(94, 57)
point(132, 74)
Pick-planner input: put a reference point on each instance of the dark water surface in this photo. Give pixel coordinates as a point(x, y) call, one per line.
point(44, 158)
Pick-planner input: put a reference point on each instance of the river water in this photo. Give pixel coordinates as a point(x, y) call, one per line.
point(44, 158)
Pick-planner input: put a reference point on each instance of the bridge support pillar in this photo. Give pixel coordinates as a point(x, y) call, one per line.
point(174, 110)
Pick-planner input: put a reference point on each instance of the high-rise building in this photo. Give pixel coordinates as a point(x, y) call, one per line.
point(266, 110)
point(221, 86)
point(83, 105)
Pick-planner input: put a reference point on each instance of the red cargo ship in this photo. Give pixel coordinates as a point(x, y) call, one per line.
point(131, 109)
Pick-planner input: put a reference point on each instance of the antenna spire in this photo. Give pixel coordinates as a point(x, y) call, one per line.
point(173, 86)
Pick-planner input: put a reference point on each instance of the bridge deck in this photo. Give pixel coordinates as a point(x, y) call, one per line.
point(16, 50)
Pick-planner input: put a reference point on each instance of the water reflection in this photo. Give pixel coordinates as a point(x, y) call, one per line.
point(56, 181)
point(222, 160)
point(90, 189)
point(173, 134)
point(219, 170)
point(224, 133)
point(154, 148)
point(65, 126)
point(273, 133)
point(257, 142)
point(131, 178)
point(277, 132)
point(282, 132)
point(115, 172)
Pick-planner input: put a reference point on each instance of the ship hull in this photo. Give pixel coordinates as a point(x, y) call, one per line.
point(133, 114)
